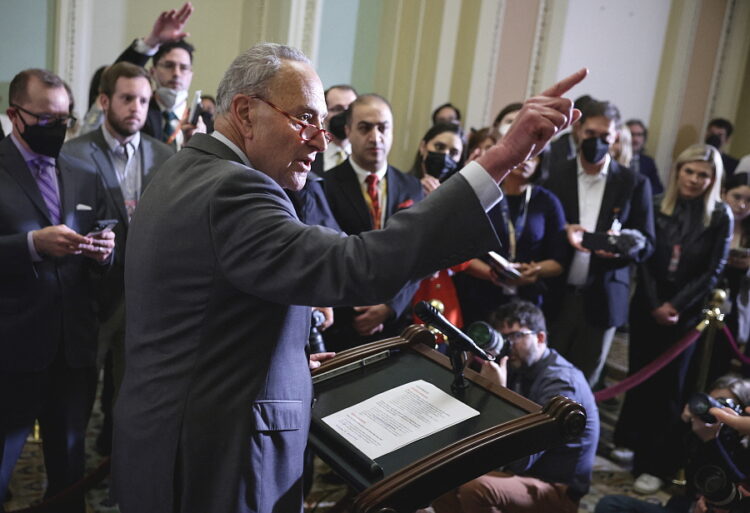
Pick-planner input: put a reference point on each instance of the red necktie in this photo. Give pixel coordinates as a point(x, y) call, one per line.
point(374, 192)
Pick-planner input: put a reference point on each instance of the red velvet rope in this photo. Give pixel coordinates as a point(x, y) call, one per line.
point(733, 344)
point(650, 369)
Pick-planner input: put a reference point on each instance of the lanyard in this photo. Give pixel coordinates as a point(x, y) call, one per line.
point(515, 229)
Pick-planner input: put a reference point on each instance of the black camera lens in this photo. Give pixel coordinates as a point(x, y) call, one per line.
point(700, 403)
point(486, 337)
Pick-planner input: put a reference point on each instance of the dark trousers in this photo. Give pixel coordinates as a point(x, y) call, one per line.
point(649, 422)
point(61, 398)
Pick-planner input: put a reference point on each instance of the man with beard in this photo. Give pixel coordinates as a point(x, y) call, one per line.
point(125, 159)
point(552, 480)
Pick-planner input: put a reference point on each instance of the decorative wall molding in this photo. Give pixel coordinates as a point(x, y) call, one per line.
point(72, 57)
point(543, 20)
point(721, 58)
point(484, 69)
point(447, 52)
point(678, 74)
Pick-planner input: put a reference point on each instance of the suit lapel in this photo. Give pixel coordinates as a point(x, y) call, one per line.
point(67, 192)
point(17, 168)
point(609, 200)
point(569, 192)
point(147, 161)
point(353, 194)
point(106, 168)
point(393, 191)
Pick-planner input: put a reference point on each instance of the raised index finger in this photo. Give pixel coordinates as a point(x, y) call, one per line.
point(564, 85)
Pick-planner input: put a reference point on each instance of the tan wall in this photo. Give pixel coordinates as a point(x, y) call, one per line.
point(701, 69)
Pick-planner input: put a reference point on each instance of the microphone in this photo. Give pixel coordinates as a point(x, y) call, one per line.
point(431, 315)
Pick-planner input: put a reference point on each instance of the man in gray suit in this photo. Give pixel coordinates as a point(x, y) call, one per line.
point(124, 158)
point(214, 409)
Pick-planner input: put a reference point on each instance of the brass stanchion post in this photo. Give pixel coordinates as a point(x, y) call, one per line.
point(714, 318)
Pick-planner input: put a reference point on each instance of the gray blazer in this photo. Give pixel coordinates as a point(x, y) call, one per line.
point(214, 410)
point(91, 148)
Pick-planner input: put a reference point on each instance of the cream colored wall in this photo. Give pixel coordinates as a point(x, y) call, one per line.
point(478, 54)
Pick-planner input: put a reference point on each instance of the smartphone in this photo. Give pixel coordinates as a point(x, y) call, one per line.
point(195, 110)
point(502, 266)
point(599, 240)
point(102, 225)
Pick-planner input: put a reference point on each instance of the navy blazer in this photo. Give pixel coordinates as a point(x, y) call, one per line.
point(47, 305)
point(92, 150)
point(647, 167)
point(627, 196)
point(345, 198)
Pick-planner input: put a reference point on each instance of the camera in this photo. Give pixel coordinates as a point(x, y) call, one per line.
point(720, 492)
point(486, 337)
point(700, 403)
point(317, 345)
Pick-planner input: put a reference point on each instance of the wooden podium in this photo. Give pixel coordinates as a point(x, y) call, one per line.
point(508, 427)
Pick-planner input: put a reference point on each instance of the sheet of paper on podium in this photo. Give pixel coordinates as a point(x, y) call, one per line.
point(398, 417)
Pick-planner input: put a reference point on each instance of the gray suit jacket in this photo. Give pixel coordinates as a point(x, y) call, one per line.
point(214, 409)
point(92, 149)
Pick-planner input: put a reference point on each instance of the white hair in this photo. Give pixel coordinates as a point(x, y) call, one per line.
point(251, 71)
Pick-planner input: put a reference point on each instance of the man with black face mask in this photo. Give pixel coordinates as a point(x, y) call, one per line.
point(718, 133)
point(48, 210)
point(338, 98)
point(598, 195)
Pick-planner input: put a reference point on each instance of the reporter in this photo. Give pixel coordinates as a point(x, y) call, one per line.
point(529, 222)
point(693, 230)
point(438, 156)
point(736, 280)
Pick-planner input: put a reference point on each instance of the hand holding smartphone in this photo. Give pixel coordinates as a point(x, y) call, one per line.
point(101, 226)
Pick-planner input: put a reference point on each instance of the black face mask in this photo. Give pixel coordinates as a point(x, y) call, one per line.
point(336, 125)
point(714, 140)
point(45, 140)
point(439, 165)
point(594, 149)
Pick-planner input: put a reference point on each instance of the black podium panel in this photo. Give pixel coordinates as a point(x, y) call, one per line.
point(508, 426)
point(359, 385)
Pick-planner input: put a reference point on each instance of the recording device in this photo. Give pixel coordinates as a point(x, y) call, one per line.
point(502, 266)
point(488, 339)
point(599, 241)
point(720, 491)
point(195, 110)
point(317, 345)
point(336, 125)
point(455, 336)
point(101, 226)
point(700, 403)
point(627, 242)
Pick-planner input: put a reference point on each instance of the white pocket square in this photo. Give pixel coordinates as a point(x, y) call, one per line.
point(81, 206)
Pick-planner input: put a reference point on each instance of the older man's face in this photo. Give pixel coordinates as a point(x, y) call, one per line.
point(276, 147)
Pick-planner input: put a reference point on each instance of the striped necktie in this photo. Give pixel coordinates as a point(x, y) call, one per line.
point(46, 179)
point(373, 191)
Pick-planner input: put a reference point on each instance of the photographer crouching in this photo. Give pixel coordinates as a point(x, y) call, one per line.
point(717, 458)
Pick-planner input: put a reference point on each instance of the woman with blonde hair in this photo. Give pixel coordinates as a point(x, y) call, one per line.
point(693, 231)
point(622, 149)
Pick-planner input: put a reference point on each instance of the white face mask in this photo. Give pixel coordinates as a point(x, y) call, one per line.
point(171, 97)
point(503, 129)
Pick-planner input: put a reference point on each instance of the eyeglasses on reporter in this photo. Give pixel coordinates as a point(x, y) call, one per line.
point(47, 119)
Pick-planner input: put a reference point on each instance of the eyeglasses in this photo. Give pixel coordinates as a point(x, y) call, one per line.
point(171, 66)
point(307, 132)
point(48, 120)
point(515, 336)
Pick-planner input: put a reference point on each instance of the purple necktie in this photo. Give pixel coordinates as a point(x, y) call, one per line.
point(45, 175)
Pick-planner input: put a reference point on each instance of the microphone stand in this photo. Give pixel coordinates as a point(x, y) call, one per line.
point(458, 362)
